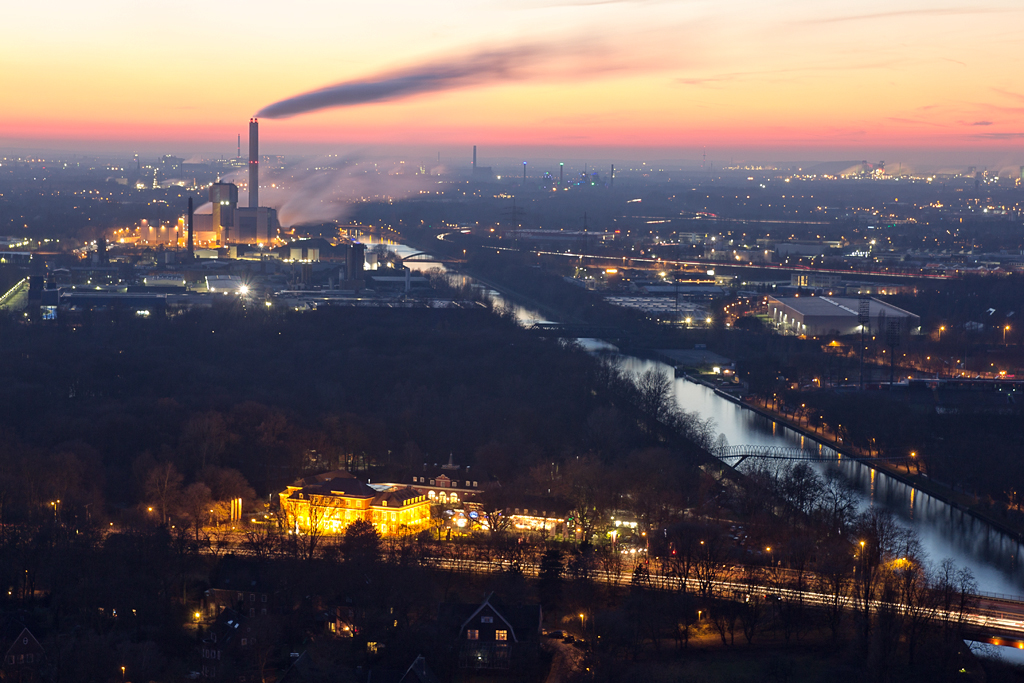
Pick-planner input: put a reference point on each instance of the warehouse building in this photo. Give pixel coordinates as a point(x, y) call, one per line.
point(817, 316)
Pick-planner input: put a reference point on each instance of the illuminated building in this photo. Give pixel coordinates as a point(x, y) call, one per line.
point(331, 501)
point(233, 224)
point(821, 315)
point(224, 198)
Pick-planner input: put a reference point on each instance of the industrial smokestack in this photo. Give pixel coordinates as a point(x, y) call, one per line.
point(254, 164)
point(474, 158)
point(239, 154)
point(191, 239)
point(611, 178)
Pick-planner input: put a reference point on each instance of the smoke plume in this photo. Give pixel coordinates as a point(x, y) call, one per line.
point(515, 63)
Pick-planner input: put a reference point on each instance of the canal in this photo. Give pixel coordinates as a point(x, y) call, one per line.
point(944, 531)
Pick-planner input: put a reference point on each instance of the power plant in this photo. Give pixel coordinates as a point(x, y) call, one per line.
point(481, 170)
point(229, 224)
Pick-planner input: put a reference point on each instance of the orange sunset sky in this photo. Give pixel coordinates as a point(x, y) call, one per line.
point(762, 78)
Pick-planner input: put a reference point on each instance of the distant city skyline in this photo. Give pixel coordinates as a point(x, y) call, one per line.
point(909, 82)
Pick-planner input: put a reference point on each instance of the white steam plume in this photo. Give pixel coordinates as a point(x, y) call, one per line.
point(329, 188)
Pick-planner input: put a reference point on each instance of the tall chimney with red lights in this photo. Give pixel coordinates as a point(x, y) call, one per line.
point(254, 164)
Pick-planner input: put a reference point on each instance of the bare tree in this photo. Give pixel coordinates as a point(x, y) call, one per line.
point(307, 540)
point(262, 541)
point(752, 610)
point(204, 437)
point(196, 503)
point(495, 511)
point(955, 588)
point(163, 486)
point(438, 520)
point(881, 539)
point(919, 601)
point(707, 561)
point(836, 503)
point(832, 581)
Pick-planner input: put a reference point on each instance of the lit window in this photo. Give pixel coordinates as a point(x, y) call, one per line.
point(501, 635)
point(472, 634)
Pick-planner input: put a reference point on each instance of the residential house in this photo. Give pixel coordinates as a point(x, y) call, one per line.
point(490, 635)
point(229, 648)
point(23, 659)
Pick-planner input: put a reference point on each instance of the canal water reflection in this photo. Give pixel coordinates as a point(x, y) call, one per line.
point(944, 531)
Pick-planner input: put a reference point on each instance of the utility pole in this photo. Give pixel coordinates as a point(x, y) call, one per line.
point(892, 339)
point(864, 318)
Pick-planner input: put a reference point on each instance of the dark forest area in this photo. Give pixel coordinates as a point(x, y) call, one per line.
point(93, 407)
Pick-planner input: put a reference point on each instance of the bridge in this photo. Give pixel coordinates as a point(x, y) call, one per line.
point(584, 331)
point(822, 454)
point(424, 257)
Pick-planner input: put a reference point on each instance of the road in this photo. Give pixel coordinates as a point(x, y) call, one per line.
point(16, 297)
point(990, 616)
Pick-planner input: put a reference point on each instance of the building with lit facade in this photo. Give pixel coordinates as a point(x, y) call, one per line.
point(331, 501)
point(817, 316)
point(228, 223)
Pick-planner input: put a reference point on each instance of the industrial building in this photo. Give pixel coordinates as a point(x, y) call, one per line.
point(817, 316)
point(229, 223)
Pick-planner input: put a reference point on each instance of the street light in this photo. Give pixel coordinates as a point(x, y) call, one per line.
point(942, 328)
point(1006, 329)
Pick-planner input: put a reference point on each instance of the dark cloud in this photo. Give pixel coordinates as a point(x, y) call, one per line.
point(982, 123)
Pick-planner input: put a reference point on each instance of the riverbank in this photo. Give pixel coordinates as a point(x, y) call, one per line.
point(921, 482)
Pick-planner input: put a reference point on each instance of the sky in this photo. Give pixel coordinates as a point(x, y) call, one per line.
point(925, 82)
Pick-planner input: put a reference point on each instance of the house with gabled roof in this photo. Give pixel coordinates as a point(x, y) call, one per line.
point(23, 658)
point(491, 635)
